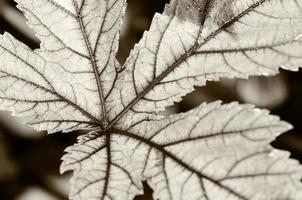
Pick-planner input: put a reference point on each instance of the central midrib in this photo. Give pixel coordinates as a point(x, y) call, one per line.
point(94, 66)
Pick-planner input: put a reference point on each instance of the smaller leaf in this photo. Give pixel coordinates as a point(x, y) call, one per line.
point(268, 92)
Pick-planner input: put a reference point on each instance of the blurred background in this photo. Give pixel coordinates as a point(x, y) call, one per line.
point(29, 161)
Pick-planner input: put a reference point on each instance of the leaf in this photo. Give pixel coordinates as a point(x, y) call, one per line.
point(176, 55)
point(214, 151)
point(99, 172)
point(59, 86)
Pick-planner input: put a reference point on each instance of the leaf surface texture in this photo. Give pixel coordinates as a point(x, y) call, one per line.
point(215, 151)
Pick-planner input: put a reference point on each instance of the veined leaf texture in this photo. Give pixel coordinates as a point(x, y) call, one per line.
point(215, 151)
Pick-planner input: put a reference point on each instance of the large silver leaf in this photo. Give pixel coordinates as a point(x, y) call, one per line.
point(198, 41)
point(212, 152)
point(62, 85)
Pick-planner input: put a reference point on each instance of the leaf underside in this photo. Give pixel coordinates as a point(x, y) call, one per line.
point(215, 151)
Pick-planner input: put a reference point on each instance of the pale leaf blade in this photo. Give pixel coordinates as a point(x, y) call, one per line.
point(235, 39)
point(67, 80)
point(26, 90)
point(82, 37)
point(100, 170)
point(216, 152)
